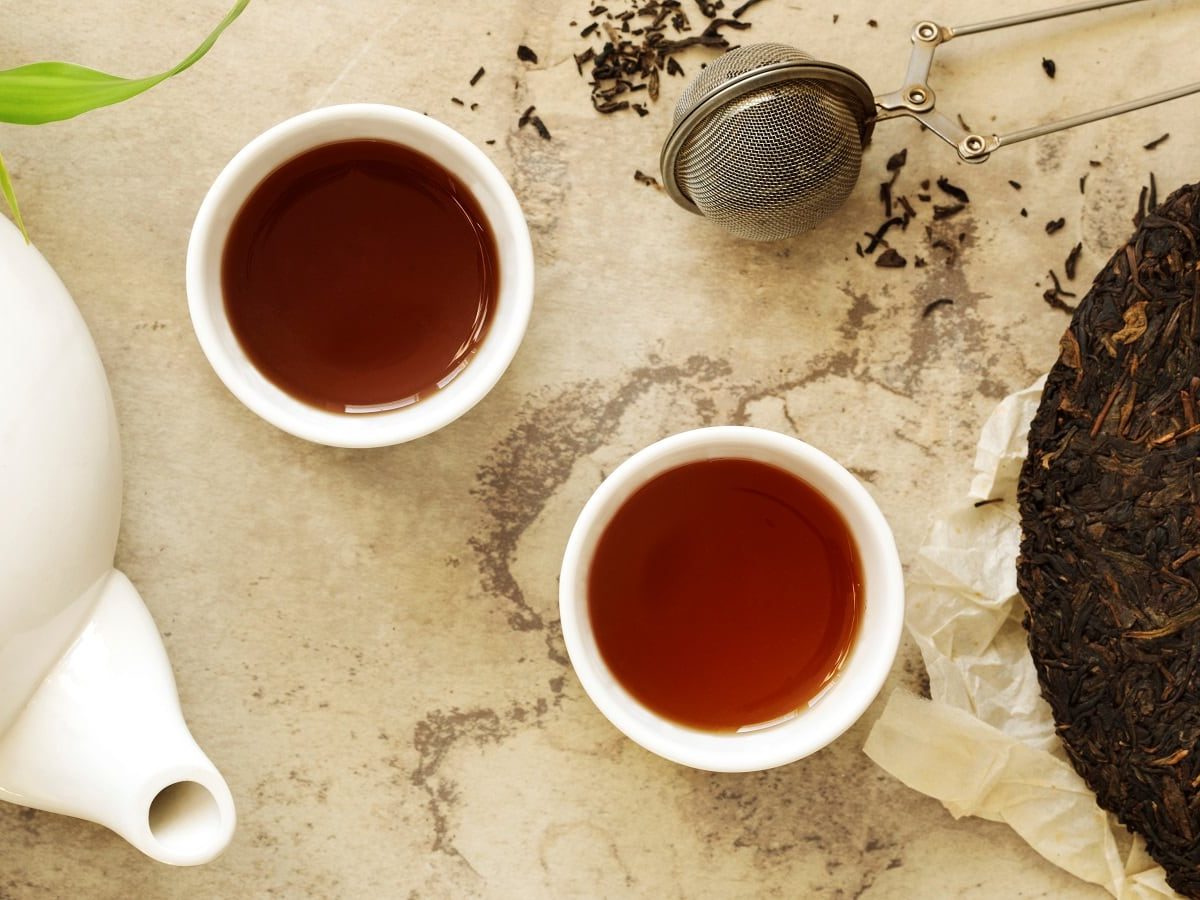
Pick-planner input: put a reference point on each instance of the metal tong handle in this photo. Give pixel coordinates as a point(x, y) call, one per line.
point(917, 99)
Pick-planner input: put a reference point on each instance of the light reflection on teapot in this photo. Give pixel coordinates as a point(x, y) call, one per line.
point(90, 724)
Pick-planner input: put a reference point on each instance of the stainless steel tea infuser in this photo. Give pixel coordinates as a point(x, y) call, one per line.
point(767, 141)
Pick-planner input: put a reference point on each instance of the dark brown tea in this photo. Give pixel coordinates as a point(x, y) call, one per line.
point(360, 276)
point(725, 594)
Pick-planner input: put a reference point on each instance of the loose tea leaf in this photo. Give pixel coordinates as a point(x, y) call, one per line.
point(945, 212)
point(877, 237)
point(1109, 566)
point(1054, 296)
point(1055, 225)
point(890, 259)
point(894, 164)
point(941, 301)
point(899, 212)
point(1141, 210)
point(1154, 143)
point(1072, 261)
point(526, 55)
point(1049, 67)
point(528, 118)
point(639, 47)
point(737, 13)
point(475, 78)
point(956, 192)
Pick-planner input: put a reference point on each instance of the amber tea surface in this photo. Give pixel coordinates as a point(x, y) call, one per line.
point(725, 594)
point(360, 276)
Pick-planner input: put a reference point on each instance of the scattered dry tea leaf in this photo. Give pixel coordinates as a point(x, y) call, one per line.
point(939, 302)
point(1073, 261)
point(648, 180)
point(953, 190)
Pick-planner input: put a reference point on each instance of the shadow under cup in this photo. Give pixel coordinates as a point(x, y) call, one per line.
point(292, 138)
point(860, 676)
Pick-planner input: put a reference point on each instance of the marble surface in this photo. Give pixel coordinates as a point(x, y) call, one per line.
point(366, 642)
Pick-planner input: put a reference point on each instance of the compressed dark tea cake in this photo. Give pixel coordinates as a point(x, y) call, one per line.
point(1110, 552)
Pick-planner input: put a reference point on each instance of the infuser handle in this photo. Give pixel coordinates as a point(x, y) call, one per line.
point(1001, 140)
point(1025, 18)
point(916, 99)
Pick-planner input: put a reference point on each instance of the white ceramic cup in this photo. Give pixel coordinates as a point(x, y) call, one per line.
point(288, 139)
point(865, 668)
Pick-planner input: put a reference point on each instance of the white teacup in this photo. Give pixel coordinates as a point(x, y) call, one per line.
point(288, 139)
point(862, 673)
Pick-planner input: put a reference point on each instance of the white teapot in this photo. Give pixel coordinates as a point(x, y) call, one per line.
point(90, 724)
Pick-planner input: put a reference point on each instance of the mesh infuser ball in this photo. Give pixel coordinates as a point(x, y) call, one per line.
point(767, 141)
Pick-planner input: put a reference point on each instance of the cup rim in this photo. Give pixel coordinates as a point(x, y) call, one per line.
point(861, 677)
point(499, 346)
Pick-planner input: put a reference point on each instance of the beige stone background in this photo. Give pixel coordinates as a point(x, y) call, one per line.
point(366, 643)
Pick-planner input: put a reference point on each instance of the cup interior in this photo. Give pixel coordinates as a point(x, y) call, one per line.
point(260, 158)
point(863, 672)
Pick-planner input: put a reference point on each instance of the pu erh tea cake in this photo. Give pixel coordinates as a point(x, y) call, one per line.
point(1110, 551)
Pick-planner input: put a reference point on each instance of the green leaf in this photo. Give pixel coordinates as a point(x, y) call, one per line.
point(10, 196)
point(52, 91)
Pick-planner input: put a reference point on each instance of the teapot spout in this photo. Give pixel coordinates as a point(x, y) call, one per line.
point(103, 738)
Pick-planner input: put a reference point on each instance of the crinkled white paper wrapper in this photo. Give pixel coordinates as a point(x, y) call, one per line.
point(985, 744)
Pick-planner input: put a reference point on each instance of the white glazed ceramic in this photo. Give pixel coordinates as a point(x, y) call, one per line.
point(866, 667)
point(288, 139)
point(90, 724)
